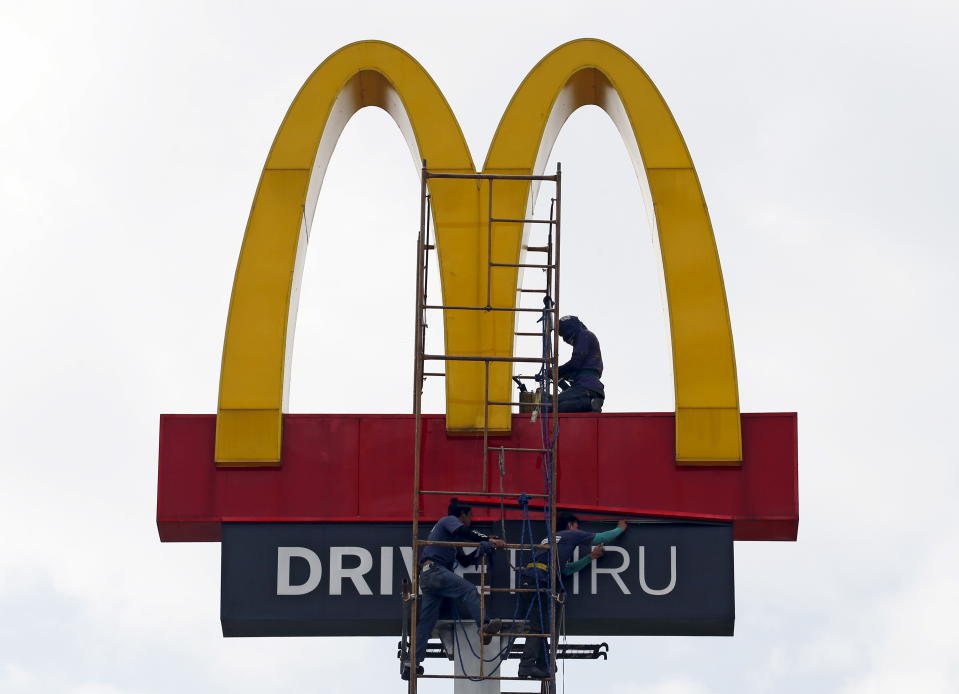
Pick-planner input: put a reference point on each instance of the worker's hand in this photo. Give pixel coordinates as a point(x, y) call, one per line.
point(621, 524)
point(597, 552)
point(497, 543)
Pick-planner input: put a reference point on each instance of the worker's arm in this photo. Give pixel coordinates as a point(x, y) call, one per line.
point(580, 353)
point(472, 559)
point(580, 564)
point(610, 535)
point(466, 534)
point(600, 539)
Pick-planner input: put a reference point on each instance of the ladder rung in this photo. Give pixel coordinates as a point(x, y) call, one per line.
point(508, 220)
point(486, 308)
point(429, 246)
point(538, 249)
point(443, 543)
point(434, 373)
point(480, 677)
point(496, 494)
point(457, 357)
point(528, 335)
point(494, 402)
point(532, 291)
point(509, 633)
point(534, 265)
point(490, 177)
point(515, 590)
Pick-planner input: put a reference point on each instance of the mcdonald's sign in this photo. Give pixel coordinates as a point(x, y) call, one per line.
point(356, 468)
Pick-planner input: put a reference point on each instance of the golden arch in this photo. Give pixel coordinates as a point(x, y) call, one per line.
point(253, 380)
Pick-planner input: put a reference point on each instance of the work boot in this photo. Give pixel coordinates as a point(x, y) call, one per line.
point(531, 671)
point(405, 672)
point(489, 629)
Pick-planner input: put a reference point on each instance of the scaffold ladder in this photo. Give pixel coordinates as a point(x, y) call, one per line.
point(548, 379)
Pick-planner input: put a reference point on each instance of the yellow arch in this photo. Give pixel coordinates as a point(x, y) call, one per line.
point(592, 72)
point(253, 382)
point(259, 333)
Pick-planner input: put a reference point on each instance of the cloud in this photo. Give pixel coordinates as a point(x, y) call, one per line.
point(675, 684)
point(914, 643)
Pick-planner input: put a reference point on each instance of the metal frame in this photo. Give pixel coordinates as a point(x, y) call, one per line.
point(550, 331)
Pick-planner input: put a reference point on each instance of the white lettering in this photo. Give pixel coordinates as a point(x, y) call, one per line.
point(338, 572)
point(284, 557)
point(672, 572)
point(473, 568)
point(461, 570)
point(614, 572)
point(386, 570)
point(576, 575)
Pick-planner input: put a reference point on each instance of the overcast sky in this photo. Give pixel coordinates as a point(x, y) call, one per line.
point(132, 136)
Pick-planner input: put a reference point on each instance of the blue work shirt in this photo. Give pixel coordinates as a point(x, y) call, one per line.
point(450, 529)
point(566, 543)
point(585, 367)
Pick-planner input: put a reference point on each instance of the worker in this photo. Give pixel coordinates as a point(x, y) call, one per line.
point(583, 370)
point(438, 582)
point(534, 663)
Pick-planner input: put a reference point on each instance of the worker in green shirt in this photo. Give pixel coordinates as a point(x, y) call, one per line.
point(535, 662)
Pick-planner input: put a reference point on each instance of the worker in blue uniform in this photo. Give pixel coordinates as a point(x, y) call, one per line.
point(439, 582)
point(583, 370)
point(534, 663)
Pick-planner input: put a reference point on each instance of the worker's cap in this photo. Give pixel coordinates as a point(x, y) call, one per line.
point(457, 507)
point(568, 325)
point(564, 519)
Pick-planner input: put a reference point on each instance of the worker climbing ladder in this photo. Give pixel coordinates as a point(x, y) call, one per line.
point(547, 377)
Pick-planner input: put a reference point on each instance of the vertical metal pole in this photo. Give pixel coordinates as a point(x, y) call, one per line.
point(549, 251)
point(488, 317)
point(549, 322)
point(426, 276)
point(417, 419)
point(482, 619)
point(552, 490)
point(485, 426)
point(489, 246)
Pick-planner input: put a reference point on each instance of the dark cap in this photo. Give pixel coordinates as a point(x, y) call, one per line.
point(564, 519)
point(457, 508)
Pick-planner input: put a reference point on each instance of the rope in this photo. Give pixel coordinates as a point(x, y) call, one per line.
point(526, 529)
point(502, 506)
point(563, 627)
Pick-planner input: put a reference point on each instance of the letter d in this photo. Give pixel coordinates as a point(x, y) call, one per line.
point(284, 555)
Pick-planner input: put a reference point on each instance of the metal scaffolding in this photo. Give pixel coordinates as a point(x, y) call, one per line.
point(548, 378)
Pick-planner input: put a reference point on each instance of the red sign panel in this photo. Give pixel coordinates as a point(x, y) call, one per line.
point(358, 468)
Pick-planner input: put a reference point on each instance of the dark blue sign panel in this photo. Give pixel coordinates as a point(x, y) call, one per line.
point(336, 579)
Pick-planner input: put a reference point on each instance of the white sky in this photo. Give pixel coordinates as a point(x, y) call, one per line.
point(131, 139)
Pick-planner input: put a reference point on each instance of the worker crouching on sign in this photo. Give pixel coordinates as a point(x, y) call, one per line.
point(535, 659)
point(583, 370)
point(438, 582)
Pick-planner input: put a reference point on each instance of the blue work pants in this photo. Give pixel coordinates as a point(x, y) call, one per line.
point(439, 583)
point(574, 399)
point(536, 607)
